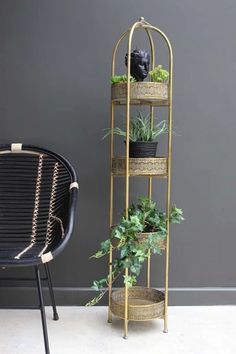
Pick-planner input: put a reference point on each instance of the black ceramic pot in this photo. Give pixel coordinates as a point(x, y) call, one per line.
point(142, 148)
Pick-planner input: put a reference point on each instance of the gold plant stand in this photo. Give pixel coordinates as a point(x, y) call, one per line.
point(141, 303)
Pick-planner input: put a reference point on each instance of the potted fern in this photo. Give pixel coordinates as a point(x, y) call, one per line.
point(135, 238)
point(142, 136)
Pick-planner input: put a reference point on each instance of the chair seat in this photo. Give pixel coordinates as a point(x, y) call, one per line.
point(8, 252)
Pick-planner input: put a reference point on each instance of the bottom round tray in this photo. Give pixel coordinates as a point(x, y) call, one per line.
point(144, 303)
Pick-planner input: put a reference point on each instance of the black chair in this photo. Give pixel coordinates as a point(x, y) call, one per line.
point(38, 193)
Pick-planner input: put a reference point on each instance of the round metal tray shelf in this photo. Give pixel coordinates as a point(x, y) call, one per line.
point(151, 166)
point(154, 93)
point(144, 303)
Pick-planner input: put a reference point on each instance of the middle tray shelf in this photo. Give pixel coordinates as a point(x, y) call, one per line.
point(151, 166)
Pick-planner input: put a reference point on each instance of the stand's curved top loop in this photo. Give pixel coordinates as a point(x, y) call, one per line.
point(142, 24)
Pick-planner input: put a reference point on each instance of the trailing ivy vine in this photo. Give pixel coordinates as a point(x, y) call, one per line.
point(132, 251)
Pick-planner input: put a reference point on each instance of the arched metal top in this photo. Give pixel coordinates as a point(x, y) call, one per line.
point(142, 24)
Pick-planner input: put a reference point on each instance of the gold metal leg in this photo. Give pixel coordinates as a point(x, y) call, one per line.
point(166, 281)
point(167, 257)
point(148, 270)
point(150, 197)
point(166, 310)
point(110, 254)
point(168, 186)
point(126, 307)
point(111, 215)
point(165, 330)
point(166, 304)
point(110, 287)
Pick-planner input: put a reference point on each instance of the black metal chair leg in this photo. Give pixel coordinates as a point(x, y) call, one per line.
point(51, 292)
point(42, 310)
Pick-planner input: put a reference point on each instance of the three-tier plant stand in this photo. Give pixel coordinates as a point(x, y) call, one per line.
point(140, 303)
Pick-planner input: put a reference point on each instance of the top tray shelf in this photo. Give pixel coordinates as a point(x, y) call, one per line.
point(141, 93)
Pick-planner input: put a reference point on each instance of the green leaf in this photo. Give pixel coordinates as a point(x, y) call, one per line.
point(105, 246)
point(121, 78)
point(98, 254)
point(176, 215)
point(123, 252)
point(104, 249)
point(130, 280)
point(98, 284)
point(159, 74)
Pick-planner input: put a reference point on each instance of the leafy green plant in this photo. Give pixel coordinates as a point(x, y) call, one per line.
point(141, 130)
point(143, 217)
point(121, 78)
point(158, 74)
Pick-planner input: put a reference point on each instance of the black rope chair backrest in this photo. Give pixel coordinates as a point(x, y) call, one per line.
point(38, 192)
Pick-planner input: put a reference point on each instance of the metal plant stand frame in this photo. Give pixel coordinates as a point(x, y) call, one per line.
point(163, 98)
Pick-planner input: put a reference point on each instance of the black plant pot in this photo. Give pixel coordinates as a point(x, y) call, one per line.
point(142, 148)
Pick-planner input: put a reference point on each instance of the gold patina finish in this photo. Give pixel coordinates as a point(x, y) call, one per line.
point(152, 94)
point(144, 303)
point(141, 93)
point(150, 167)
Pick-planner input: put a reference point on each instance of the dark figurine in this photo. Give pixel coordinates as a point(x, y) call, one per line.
point(139, 67)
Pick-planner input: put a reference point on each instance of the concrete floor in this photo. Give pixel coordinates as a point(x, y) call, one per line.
point(80, 330)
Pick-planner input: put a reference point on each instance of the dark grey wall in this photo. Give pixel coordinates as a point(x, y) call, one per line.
point(55, 61)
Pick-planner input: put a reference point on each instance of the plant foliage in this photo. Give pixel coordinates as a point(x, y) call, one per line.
point(158, 74)
point(121, 78)
point(143, 217)
point(141, 129)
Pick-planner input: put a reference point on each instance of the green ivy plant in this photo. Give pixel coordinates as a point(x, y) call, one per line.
point(143, 217)
point(158, 74)
point(121, 78)
point(140, 129)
